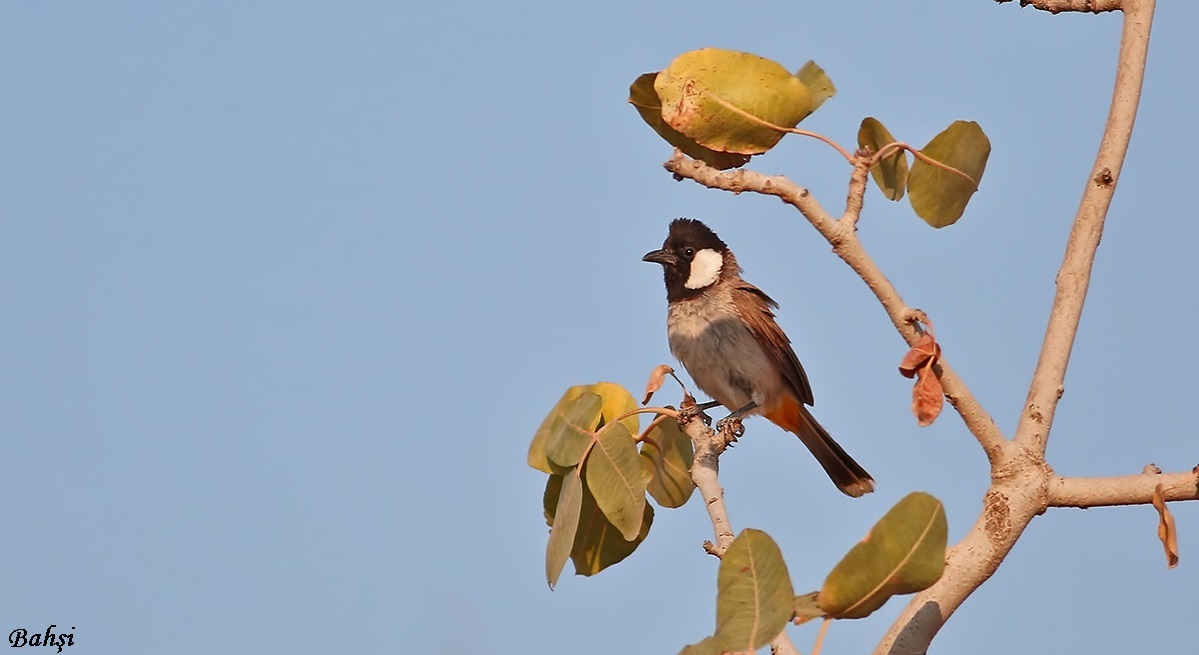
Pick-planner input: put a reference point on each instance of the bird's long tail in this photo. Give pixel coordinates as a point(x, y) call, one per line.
point(848, 475)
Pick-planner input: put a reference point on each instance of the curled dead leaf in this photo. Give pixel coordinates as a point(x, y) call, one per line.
point(927, 397)
point(1165, 527)
point(925, 349)
point(655, 381)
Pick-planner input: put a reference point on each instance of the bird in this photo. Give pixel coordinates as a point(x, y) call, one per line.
point(723, 331)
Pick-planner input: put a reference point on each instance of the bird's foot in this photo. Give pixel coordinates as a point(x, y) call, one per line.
point(731, 427)
point(691, 409)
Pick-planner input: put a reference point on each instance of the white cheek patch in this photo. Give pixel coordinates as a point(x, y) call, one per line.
point(705, 268)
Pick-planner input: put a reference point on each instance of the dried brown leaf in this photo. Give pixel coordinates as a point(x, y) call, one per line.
point(925, 349)
point(927, 396)
point(655, 381)
point(1165, 527)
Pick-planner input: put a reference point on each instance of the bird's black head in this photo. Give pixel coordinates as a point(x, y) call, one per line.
point(693, 258)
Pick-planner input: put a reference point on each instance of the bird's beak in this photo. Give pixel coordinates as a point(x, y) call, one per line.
point(663, 257)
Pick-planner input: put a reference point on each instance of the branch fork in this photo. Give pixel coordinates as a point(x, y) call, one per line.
point(1023, 485)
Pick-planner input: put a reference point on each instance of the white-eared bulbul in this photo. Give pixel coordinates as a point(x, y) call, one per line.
point(723, 331)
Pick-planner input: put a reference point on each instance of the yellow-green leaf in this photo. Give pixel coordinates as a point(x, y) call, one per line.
point(714, 96)
point(903, 553)
point(819, 85)
point(617, 478)
point(537, 458)
point(566, 524)
point(645, 100)
point(939, 196)
point(572, 428)
point(669, 453)
point(598, 543)
point(755, 599)
point(549, 498)
point(807, 607)
point(891, 172)
point(617, 401)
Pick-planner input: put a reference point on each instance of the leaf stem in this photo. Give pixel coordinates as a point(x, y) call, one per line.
point(900, 145)
point(820, 636)
point(754, 119)
point(661, 411)
point(653, 424)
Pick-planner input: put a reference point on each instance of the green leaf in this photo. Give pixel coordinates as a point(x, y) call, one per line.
point(617, 479)
point(598, 543)
point(903, 553)
point(645, 100)
point(807, 607)
point(707, 93)
point(549, 499)
point(617, 401)
point(891, 172)
point(537, 458)
point(566, 524)
point(818, 83)
point(755, 598)
point(940, 196)
point(571, 430)
point(668, 453)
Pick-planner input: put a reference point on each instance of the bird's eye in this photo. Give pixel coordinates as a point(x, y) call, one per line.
point(688, 252)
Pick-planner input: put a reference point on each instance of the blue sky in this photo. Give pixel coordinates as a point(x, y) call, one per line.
point(288, 287)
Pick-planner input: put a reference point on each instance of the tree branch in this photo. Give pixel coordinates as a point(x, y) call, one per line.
point(1059, 6)
point(782, 645)
point(1020, 487)
point(1021, 480)
point(1074, 277)
point(705, 474)
point(1123, 490)
point(841, 235)
point(705, 468)
point(856, 196)
point(1023, 485)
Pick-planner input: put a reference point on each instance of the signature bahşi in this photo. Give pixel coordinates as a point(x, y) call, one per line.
point(21, 637)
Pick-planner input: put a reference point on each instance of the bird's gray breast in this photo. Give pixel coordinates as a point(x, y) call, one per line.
point(718, 350)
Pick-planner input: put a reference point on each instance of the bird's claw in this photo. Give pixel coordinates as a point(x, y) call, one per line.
point(733, 425)
point(691, 410)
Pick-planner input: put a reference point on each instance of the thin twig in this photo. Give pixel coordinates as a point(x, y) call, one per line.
point(1059, 6)
point(705, 469)
point(856, 196)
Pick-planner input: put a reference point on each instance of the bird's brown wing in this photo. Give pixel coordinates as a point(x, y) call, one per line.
point(755, 307)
